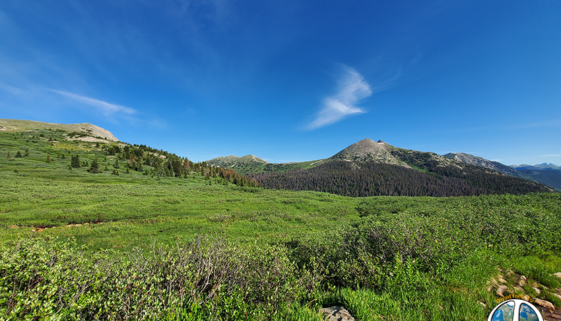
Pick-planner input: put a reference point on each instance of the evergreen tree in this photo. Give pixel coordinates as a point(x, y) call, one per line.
point(48, 160)
point(94, 168)
point(116, 165)
point(127, 171)
point(18, 155)
point(9, 156)
point(27, 152)
point(63, 157)
point(75, 162)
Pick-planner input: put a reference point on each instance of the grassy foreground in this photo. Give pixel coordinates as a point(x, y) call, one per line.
point(81, 246)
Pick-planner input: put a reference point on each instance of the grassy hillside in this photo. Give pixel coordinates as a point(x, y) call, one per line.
point(53, 197)
point(16, 125)
point(211, 250)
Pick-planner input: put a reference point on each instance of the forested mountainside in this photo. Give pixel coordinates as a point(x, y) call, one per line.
point(361, 179)
point(548, 177)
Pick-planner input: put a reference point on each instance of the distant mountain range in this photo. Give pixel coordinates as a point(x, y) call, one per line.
point(365, 168)
point(369, 168)
point(538, 167)
point(545, 173)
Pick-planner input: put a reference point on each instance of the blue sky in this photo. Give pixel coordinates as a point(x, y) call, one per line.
point(292, 80)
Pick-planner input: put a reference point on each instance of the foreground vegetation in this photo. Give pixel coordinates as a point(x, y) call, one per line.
point(134, 246)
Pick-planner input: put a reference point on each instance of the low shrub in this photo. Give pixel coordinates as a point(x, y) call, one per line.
point(209, 276)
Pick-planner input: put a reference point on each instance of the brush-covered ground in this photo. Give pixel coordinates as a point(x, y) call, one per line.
point(81, 246)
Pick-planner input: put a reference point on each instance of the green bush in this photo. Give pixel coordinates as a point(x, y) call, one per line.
point(209, 276)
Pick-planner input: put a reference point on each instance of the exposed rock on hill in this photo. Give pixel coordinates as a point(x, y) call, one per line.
point(16, 125)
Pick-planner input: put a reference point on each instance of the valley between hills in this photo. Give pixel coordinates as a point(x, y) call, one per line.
point(92, 228)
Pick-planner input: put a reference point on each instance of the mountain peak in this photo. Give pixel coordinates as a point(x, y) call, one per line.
point(368, 150)
point(234, 161)
point(253, 158)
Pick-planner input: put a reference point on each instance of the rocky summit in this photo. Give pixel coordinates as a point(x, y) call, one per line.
point(368, 150)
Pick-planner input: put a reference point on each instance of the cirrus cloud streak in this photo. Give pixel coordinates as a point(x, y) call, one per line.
point(350, 90)
point(107, 109)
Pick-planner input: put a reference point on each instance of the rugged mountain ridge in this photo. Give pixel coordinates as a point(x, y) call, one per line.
point(482, 162)
point(369, 168)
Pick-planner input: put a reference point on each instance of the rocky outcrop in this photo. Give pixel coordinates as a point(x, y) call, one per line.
point(336, 313)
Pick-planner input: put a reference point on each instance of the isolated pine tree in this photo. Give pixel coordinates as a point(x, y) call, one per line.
point(127, 171)
point(75, 162)
point(116, 165)
point(27, 152)
point(9, 156)
point(18, 155)
point(63, 157)
point(94, 168)
point(48, 160)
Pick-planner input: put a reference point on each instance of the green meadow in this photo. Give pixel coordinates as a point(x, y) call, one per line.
point(75, 245)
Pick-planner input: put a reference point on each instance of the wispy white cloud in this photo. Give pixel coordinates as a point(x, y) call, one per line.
point(554, 155)
point(11, 89)
point(107, 109)
point(351, 89)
